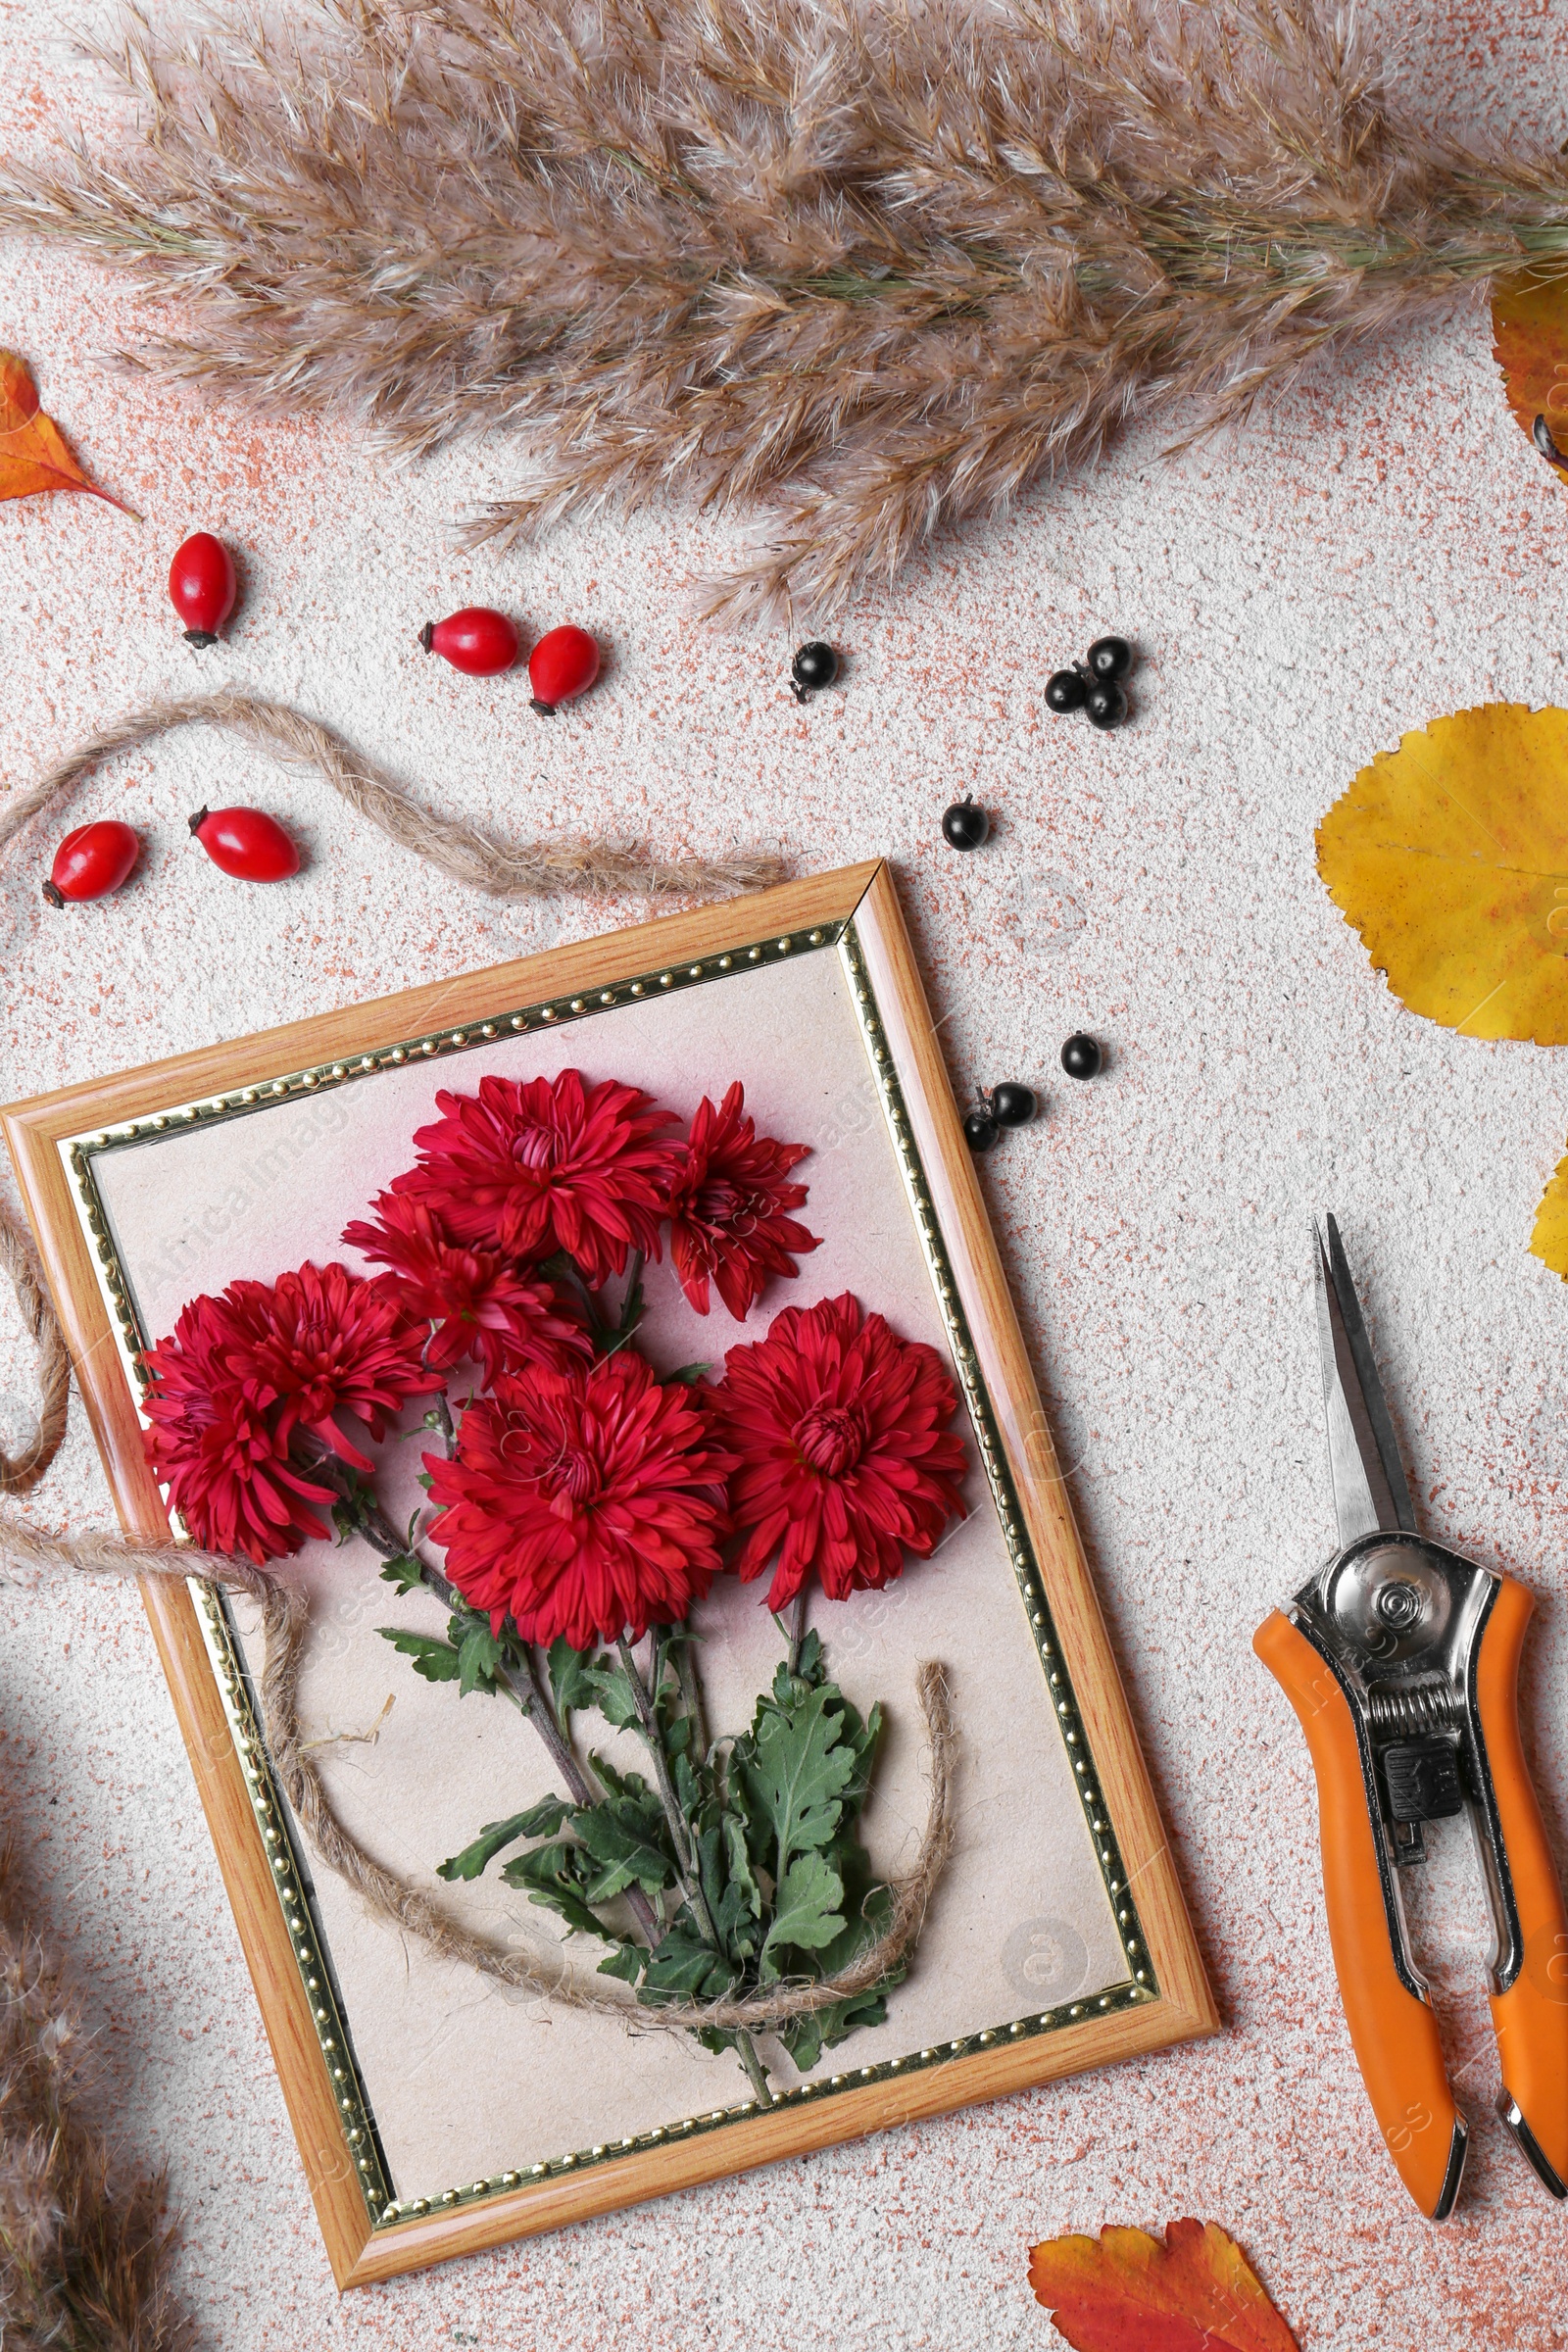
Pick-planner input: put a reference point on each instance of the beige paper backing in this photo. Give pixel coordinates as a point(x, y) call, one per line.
point(466, 2081)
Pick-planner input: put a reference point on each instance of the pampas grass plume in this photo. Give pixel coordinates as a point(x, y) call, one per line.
point(870, 270)
point(83, 2242)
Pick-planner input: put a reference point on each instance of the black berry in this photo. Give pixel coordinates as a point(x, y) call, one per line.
point(1012, 1105)
point(964, 827)
point(1109, 657)
point(815, 666)
point(1080, 1056)
point(1065, 691)
point(1105, 703)
point(980, 1129)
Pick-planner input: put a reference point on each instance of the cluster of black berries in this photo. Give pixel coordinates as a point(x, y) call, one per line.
point(1012, 1104)
point(1094, 684)
point(1006, 1105)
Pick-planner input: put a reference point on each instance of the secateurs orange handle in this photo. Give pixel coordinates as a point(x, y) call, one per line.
point(1401, 1660)
point(1530, 2016)
point(1392, 2031)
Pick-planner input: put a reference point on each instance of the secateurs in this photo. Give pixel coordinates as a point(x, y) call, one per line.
point(1402, 1659)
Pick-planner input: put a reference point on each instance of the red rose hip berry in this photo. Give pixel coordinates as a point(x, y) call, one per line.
point(563, 664)
point(477, 641)
point(246, 843)
point(202, 586)
point(92, 862)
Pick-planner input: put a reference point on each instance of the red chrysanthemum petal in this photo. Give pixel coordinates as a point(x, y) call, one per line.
point(586, 1501)
point(213, 1446)
point(522, 1169)
point(845, 1461)
point(240, 1373)
point(502, 1315)
point(322, 1341)
point(727, 1221)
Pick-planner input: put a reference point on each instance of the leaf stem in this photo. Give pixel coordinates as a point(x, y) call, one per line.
point(746, 2050)
point(685, 1857)
point(521, 1683)
point(691, 1691)
point(686, 1861)
point(527, 1693)
point(797, 1630)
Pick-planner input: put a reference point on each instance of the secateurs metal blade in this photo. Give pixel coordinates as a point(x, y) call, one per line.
point(1402, 1659)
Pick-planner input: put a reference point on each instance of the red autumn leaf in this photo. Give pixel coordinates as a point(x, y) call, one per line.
point(1530, 344)
point(1126, 2292)
point(34, 456)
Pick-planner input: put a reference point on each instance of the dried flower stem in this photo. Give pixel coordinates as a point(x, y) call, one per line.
point(519, 1682)
point(690, 1690)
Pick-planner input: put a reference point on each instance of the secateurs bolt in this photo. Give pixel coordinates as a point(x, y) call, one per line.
point(1402, 1659)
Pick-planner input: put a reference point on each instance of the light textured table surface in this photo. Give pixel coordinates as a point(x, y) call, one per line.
point(1381, 547)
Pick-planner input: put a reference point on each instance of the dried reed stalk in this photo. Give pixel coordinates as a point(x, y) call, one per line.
point(873, 269)
point(83, 2245)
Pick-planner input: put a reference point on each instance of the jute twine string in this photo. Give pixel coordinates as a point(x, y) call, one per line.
point(469, 854)
point(23, 1470)
point(30, 1557)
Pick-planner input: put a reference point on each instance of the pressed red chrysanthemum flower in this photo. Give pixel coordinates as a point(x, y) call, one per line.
point(215, 1448)
point(727, 1221)
point(240, 1373)
point(524, 1169)
point(501, 1314)
point(587, 1502)
point(846, 1460)
point(323, 1340)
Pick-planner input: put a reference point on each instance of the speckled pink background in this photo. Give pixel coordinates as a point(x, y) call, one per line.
point(1381, 547)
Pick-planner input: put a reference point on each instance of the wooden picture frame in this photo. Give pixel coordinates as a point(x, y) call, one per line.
point(55, 1142)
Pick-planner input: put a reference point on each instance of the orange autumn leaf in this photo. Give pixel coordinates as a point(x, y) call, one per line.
point(1530, 344)
point(1126, 2292)
point(34, 456)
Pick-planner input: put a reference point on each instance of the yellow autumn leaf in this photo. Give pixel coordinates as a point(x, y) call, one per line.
point(1549, 1240)
point(1449, 857)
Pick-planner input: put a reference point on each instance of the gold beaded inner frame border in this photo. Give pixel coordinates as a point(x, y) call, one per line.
point(287, 1859)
